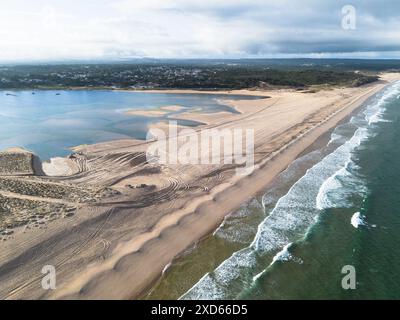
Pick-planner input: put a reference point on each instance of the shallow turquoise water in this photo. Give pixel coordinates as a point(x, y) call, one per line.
point(49, 122)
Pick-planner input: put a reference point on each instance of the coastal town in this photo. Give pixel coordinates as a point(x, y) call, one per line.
point(200, 75)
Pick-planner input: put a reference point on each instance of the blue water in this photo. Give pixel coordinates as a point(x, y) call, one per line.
point(50, 122)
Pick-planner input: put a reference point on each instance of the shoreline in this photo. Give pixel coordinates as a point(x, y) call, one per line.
point(291, 151)
point(219, 204)
point(322, 140)
point(136, 259)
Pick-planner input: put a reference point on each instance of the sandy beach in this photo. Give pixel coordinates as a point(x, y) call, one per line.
point(137, 217)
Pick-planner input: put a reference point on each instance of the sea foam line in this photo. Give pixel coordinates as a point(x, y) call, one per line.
point(273, 232)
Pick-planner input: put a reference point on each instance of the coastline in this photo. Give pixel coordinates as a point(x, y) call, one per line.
point(136, 261)
point(271, 168)
point(164, 280)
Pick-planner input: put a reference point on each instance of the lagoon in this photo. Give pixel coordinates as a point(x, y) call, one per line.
point(49, 122)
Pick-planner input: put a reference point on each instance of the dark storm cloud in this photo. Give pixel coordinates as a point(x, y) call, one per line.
point(313, 26)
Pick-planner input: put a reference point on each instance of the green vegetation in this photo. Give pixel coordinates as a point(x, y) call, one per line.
point(194, 74)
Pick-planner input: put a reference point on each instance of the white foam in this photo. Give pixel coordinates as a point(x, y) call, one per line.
point(166, 268)
point(332, 194)
point(331, 184)
point(220, 226)
point(357, 220)
point(257, 276)
point(334, 138)
point(375, 112)
point(296, 211)
point(232, 230)
point(377, 117)
point(339, 189)
point(283, 255)
point(213, 286)
point(293, 214)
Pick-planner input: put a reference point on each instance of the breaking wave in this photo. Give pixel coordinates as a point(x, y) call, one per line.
point(333, 182)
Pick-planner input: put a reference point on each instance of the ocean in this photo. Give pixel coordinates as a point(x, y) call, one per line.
point(50, 122)
point(337, 205)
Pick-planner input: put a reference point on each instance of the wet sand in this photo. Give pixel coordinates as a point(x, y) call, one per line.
point(118, 246)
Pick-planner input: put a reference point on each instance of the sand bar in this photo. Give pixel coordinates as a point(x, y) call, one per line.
point(118, 247)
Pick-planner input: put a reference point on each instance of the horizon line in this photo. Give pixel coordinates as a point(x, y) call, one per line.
point(127, 60)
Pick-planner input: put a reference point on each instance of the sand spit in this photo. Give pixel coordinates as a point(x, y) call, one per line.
point(144, 215)
point(159, 112)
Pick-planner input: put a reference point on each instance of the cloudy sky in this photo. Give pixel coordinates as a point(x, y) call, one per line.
point(123, 29)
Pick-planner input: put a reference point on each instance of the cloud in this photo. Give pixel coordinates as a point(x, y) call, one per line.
point(109, 29)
